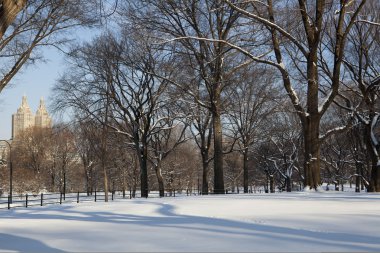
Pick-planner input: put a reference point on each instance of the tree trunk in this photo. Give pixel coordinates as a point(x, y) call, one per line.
point(8, 12)
point(218, 149)
point(124, 183)
point(374, 183)
point(160, 181)
point(204, 172)
point(358, 178)
point(245, 170)
point(143, 158)
point(205, 169)
point(105, 181)
point(288, 183)
point(64, 182)
point(362, 175)
point(52, 181)
point(312, 152)
point(271, 184)
point(89, 183)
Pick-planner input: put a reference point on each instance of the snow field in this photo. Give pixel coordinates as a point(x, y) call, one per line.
point(286, 222)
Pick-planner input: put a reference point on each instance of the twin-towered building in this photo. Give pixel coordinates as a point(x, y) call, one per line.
point(24, 118)
point(21, 121)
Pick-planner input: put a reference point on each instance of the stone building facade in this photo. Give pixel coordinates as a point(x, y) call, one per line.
point(24, 118)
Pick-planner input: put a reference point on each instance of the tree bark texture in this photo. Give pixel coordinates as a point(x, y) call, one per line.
point(160, 180)
point(205, 169)
point(218, 152)
point(105, 181)
point(312, 153)
point(271, 184)
point(357, 178)
point(143, 172)
point(245, 170)
point(288, 183)
point(374, 183)
point(8, 13)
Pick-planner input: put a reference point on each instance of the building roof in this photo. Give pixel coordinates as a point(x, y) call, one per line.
point(24, 108)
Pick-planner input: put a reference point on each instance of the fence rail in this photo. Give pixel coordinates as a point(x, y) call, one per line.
point(43, 199)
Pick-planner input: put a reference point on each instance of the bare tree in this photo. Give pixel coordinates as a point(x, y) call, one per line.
point(63, 153)
point(297, 30)
point(168, 136)
point(364, 70)
point(31, 155)
point(27, 26)
point(86, 152)
point(118, 70)
point(287, 140)
point(252, 100)
point(200, 127)
point(338, 160)
point(181, 21)
point(32, 146)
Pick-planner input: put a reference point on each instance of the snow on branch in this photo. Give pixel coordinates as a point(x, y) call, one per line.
point(276, 166)
point(367, 22)
point(333, 131)
point(280, 66)
point(270, 24)
point(325, 101)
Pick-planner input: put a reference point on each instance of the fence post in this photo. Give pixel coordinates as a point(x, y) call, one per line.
point(60, 198)
point(95, 195)
point(113, 193)
point(42, 199)
point(78, 198)
point(26, 200)
point(9, 201)
point(174, 192)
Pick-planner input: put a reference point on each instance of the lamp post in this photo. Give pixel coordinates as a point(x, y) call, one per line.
point(10, 170)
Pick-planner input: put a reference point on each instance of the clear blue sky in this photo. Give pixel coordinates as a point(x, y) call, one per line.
point(35, 82)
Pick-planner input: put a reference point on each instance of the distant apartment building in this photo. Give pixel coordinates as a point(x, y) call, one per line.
point(24, 118)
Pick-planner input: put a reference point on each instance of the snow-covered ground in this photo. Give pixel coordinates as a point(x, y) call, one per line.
point(287, 222)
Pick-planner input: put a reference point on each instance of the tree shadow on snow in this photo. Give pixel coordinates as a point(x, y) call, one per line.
point(23, 244)
point(317, 240)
